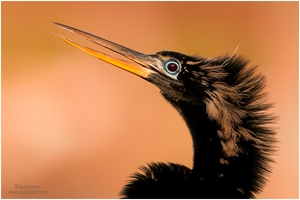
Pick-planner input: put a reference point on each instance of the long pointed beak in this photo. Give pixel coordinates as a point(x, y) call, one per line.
point(142, 64)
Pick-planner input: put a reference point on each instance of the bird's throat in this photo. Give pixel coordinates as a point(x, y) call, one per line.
point(206, 144)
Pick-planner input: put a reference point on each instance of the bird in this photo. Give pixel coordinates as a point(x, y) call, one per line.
point(224, 105)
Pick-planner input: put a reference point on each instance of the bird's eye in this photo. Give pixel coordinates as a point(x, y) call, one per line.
point(172, 67)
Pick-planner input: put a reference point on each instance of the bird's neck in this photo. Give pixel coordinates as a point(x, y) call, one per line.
point(206, 144)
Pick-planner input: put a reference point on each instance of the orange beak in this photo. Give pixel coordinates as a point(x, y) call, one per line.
point(142, 64)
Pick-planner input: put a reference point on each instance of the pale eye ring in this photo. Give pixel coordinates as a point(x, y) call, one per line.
point(172, 67)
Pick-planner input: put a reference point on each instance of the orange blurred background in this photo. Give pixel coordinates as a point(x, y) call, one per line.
point(75, 127)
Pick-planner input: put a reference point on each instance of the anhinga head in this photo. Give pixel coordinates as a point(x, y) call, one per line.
point(173, 73)
point(221, 100)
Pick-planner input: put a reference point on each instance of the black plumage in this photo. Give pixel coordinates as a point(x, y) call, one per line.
point(223, 102)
